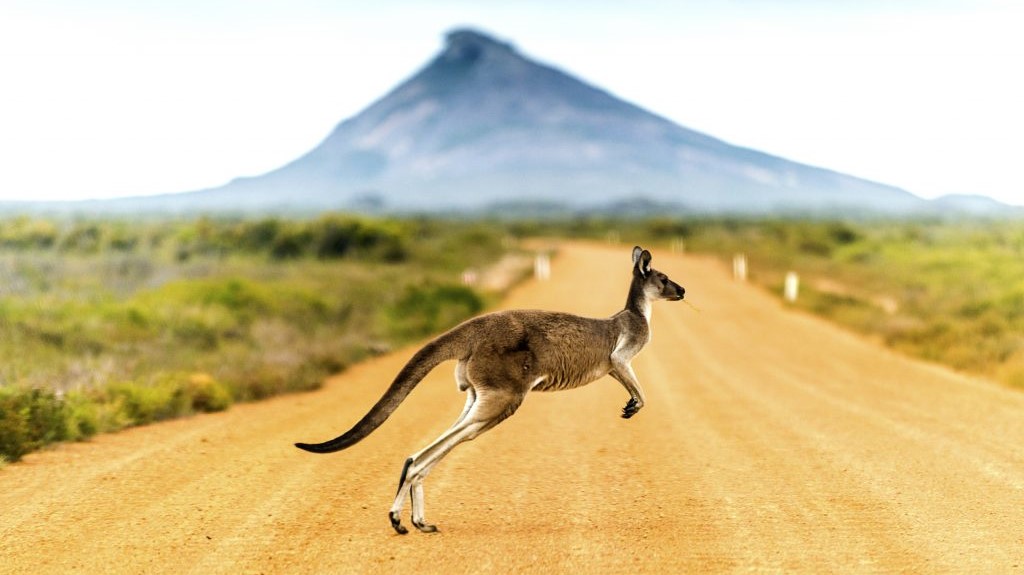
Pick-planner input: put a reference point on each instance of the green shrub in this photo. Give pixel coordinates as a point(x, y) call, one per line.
point(262, 380)
point(423, 310)
point(82, 415)
point(258, 235)
point(142, 404)
point(238, 296)
point(30, 419)
point(25, 234)
point(290, 242)
point(14, 429)
point(336, 237)
point(84, 238)
point(195, 330)
point(203, 394)
point(47, 417)
point(108, 412)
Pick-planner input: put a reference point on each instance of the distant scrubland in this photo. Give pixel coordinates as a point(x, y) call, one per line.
point(949, 292)
point(113, 323)
point(110, 324)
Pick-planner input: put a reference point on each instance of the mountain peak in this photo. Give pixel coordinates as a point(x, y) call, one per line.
point(469, 45)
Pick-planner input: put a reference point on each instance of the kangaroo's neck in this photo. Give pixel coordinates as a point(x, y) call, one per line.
point(637, 301)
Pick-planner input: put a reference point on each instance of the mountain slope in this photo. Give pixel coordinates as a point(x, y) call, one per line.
point(480, 124)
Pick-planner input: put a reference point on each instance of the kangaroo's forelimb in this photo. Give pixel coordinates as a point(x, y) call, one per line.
point(623, 373)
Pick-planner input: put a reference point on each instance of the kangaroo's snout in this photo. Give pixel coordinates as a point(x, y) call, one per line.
point(672, 291)
point(680, 292)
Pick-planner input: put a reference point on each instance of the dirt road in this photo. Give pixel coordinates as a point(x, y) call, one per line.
point(771, 442)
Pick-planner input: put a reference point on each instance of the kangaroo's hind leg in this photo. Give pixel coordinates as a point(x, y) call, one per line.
point(489, 409)
point(405, 484)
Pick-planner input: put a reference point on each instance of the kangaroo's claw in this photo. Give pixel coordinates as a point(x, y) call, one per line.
point(630, 409)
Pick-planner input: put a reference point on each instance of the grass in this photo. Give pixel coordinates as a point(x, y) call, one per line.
point(111, 324)
point(949, 292)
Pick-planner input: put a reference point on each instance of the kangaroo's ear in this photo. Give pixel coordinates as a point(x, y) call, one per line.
point(645, 263)
point(637, 250)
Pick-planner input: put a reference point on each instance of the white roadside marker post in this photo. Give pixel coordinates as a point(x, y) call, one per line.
point(542, 267)
point(739, 267)
point(792, 287)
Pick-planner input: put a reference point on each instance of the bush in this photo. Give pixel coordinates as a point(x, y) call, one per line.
point(47, 417)
point(14, 431)
point(290, 243)
point(30, 419)
point(196, 331)
point(336, 237)
point(424, 310)
point(25, 234)
point(203, 394)
point(82, 416)
point(142, 404)
point(258, 235)
point(83, 238)
point(236, 295)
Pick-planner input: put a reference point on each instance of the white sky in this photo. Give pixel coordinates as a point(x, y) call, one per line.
point(127, 97)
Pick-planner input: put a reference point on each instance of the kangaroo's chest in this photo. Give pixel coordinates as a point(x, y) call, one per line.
point(578, 351)
point(628, 344)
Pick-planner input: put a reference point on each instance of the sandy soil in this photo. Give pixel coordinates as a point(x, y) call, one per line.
point(771, 442)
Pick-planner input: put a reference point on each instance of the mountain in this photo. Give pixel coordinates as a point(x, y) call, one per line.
point(481, 126)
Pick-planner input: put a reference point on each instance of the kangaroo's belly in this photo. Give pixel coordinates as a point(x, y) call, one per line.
point(557, 380)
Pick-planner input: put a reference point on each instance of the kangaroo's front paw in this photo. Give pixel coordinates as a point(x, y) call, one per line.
point(632, 406)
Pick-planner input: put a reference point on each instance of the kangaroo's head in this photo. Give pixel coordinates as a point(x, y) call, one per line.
point(656, 285)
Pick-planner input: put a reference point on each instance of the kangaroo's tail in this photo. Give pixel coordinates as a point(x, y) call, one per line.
point(454, 344)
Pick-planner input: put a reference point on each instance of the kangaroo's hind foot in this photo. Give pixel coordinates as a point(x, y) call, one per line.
point(396, 522)
point(424, 527)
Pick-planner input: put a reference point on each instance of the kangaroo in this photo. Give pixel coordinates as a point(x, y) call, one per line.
point(502, 356)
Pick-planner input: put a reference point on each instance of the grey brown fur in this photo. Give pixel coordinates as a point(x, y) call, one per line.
point(502, 356)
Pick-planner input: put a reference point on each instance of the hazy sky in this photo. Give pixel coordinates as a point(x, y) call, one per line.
point(126, 97)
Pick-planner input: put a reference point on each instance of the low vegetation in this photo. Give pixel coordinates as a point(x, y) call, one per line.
point(950, 292)
point(110, 324)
